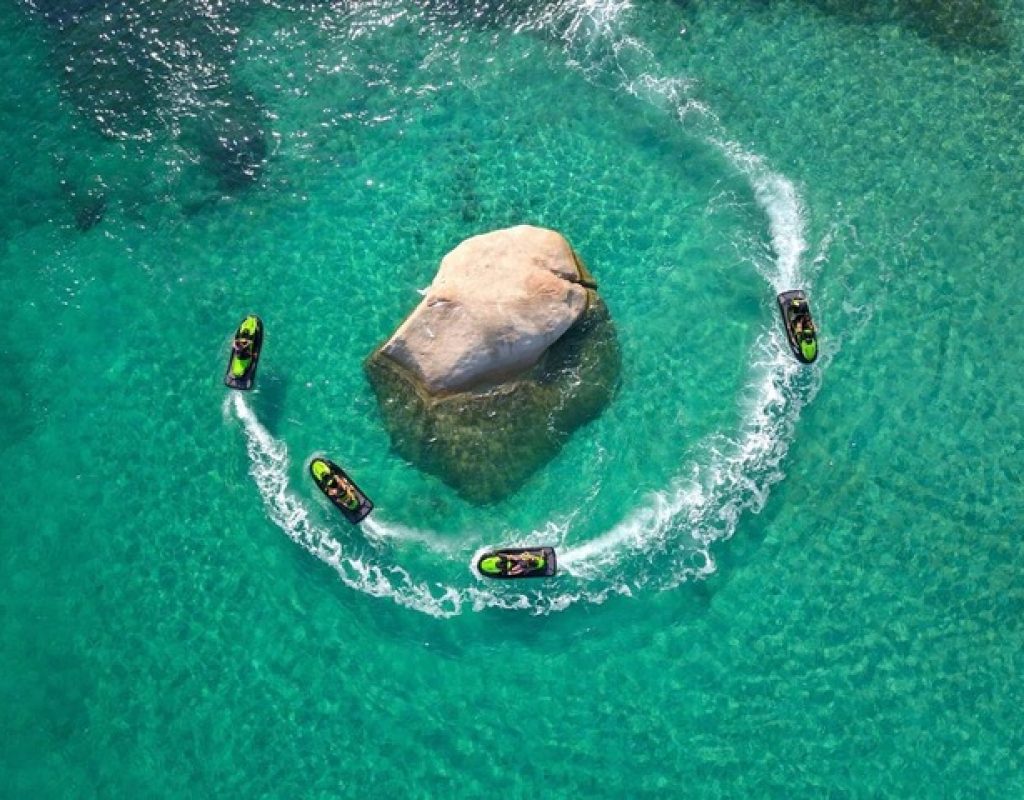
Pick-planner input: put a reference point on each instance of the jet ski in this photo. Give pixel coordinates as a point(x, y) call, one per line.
point(800, 329)
point(245, 354)
point(518, 562)
point(334, 482)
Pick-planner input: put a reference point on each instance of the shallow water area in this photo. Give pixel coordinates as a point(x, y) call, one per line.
point(776, 581)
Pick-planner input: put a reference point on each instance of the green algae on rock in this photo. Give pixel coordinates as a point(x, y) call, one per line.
point(510, 350)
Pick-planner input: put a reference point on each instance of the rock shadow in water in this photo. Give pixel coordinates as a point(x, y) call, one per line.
point(486, 444)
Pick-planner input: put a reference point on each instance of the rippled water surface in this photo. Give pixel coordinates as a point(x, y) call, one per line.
point(776, 581)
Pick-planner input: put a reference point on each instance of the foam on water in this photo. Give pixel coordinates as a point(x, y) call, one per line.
point(269, 468)
point(736, 473)
point(668, 537)
point(269, 464)
point(385, 532)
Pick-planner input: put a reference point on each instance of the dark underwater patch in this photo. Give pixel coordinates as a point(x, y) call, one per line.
point(146, 70)
point(487, 445)
point(950, 24)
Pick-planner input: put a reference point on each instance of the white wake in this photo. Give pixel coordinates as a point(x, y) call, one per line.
point(672, 529)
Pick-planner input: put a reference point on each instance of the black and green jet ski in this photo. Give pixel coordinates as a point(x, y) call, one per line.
point(340, 490)
point(518, 562)
point(245, 354)
point(800, 329)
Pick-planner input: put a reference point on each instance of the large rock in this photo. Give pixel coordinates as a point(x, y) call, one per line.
point(509, 351)
point(497, 303)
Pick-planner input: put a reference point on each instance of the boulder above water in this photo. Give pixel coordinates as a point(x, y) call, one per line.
point(509, 351)
point(497, 303)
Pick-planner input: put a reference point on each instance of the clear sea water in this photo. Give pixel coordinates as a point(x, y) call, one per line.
point(777, 581)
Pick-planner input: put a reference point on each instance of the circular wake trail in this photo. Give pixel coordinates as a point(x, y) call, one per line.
point(668, 538)
point(269, 464)
point(732, 474)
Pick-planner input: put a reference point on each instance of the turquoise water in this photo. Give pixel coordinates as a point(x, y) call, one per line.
point(777, 581)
